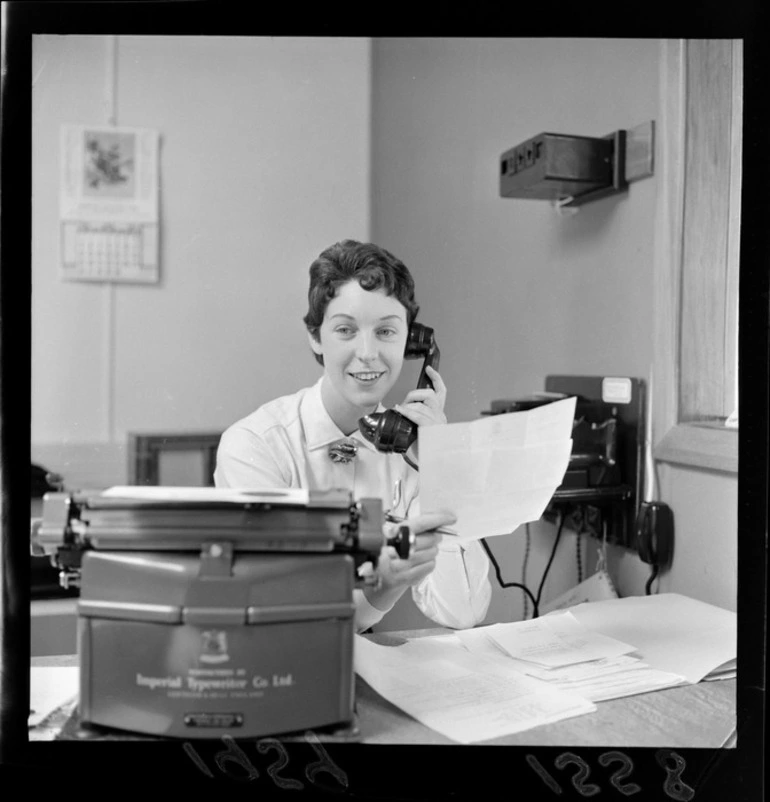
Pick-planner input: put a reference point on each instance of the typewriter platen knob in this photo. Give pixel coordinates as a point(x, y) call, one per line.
point(402, 541)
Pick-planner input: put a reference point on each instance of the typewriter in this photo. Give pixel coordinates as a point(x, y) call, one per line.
point(205, 612)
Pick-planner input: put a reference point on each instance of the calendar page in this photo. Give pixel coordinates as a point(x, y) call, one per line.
point(109, 204)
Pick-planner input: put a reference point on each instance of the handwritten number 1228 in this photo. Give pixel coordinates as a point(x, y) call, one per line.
point(674, 786)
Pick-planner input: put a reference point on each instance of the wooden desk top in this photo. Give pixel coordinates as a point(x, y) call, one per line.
point(689, 716)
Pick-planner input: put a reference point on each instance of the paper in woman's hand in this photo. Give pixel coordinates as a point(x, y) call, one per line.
point(499, 472)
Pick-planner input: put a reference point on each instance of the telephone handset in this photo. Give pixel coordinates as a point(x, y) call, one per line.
point(390, 431)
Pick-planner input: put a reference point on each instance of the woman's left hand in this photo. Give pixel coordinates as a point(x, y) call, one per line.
point(425, 407)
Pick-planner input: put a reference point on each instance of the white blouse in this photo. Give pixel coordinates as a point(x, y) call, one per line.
point(285, 443)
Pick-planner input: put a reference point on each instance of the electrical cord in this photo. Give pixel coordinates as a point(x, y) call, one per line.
point(654, 573)
point(562, 518)
point(578, 554)
point(524, 569)
point(502, 584)
point(410, 463)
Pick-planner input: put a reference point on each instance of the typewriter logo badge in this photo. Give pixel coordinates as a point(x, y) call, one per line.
point(214, 647)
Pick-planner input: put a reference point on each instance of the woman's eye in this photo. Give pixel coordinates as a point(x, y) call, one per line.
point(387, 332)
point(345, 331)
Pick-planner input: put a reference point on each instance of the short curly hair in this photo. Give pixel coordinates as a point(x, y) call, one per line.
point(371, 266)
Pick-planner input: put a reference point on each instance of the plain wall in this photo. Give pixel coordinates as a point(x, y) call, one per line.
point(264, 161)
point(518, 289)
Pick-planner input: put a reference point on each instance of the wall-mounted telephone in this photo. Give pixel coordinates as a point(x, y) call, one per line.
point(389, 431)
point(602, 485)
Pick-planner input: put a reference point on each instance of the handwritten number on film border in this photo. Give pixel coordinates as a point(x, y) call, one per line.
point(674, 786)
point(233, 754)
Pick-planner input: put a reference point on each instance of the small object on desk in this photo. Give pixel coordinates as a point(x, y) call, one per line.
point(598, 586)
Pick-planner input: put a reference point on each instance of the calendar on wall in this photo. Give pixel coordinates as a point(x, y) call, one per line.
point(109, 204)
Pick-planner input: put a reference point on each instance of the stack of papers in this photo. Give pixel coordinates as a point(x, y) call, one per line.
point(464, 696)
point(670, 632)
point(559, 651)
point(482, 683)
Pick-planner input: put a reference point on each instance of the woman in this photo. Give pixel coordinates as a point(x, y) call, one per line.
point(361, 305)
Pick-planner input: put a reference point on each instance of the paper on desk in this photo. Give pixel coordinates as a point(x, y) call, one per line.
point(49, 688)
point(208, 494)
point(595, 680)
point(670, 632)
point(498, 472)
point(728, 671)
point(633, 682)
point(480, 641)
point(465, 697)
point(556, 640)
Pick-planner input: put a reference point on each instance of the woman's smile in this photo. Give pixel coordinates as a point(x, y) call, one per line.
point(367, 378)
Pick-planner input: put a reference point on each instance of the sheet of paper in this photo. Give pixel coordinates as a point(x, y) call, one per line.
point(499, 472)
point(598, 586)
point(670, 632)
point(623, 683)
point(721, 674)
point(466, 697)
point(208, 494)
point(556, 640)
point(49, 688)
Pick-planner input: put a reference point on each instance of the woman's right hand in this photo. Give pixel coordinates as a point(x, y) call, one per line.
point(395, 575)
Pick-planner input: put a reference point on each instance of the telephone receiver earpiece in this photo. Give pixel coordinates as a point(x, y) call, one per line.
point(390, 431)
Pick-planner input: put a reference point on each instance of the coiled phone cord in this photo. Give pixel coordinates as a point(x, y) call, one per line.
point(579, 555)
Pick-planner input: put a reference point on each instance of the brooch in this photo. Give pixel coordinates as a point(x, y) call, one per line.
point(343, 451)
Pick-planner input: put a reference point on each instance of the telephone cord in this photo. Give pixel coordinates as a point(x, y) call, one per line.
point(654, 574)
point(562, 518)
point(524, 569)
point(502, 584)
point(578, 554)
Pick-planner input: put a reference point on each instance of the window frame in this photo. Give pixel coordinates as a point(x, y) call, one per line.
point(701, 444)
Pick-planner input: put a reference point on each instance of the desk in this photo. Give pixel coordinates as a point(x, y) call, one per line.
point(690, 716)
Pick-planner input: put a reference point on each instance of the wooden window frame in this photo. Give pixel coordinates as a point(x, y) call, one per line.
point(699, 443)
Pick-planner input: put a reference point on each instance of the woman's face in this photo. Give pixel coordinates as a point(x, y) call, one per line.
point(362, 340)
